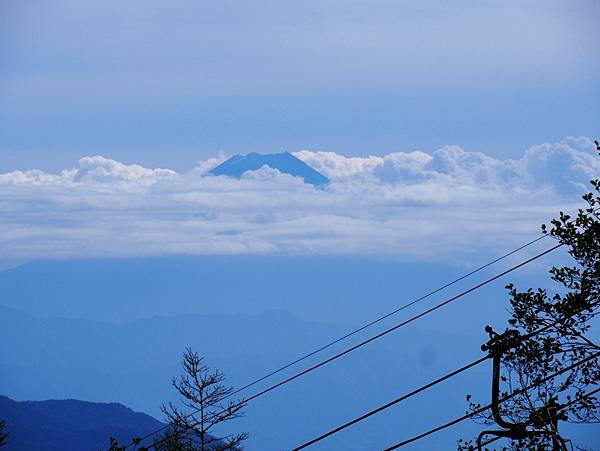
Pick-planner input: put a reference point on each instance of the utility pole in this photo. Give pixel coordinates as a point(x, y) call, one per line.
point(544, 420)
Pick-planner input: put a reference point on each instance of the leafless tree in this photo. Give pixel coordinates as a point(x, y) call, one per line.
point(202, 390)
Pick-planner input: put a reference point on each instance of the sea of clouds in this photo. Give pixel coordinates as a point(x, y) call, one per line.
point(411, 204)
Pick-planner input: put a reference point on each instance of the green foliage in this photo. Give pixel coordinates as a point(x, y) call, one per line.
point(566, 320)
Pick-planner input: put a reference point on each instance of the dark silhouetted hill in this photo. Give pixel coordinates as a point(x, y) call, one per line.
point(73, 425)
point(63, 425)
point(283, 162)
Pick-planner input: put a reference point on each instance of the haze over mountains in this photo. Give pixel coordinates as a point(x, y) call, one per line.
point(113, 331)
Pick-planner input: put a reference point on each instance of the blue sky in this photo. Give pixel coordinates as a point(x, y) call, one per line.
point(167, 85)
point(438, 125)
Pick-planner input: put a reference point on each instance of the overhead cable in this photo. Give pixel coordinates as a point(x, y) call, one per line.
point(375, 337)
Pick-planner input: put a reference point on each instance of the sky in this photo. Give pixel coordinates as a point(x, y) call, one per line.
point(436, 125)
point(166, 85)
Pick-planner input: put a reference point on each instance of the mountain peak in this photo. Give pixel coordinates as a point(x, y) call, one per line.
point(284, 162)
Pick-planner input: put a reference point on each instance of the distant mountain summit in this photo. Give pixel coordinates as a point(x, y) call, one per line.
point(283, 162)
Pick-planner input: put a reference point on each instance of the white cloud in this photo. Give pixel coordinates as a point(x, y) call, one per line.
point(91, 170)
point(267, 173)
point(102, 170)
point(337, 166)
point(563, 167)
point(404, 203)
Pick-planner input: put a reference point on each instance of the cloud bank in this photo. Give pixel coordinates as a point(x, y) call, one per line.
point(407, 204)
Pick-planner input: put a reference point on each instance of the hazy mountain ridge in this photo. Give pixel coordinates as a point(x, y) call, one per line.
point(126, 322)
point(123, 290)
point(133, 363)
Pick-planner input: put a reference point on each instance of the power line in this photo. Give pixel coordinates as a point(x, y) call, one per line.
point(391, 403)
point(488, 406)
point(387, 315)
point(387, 331)
point(416, 391)
point(379, 335)
point(371, 323)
